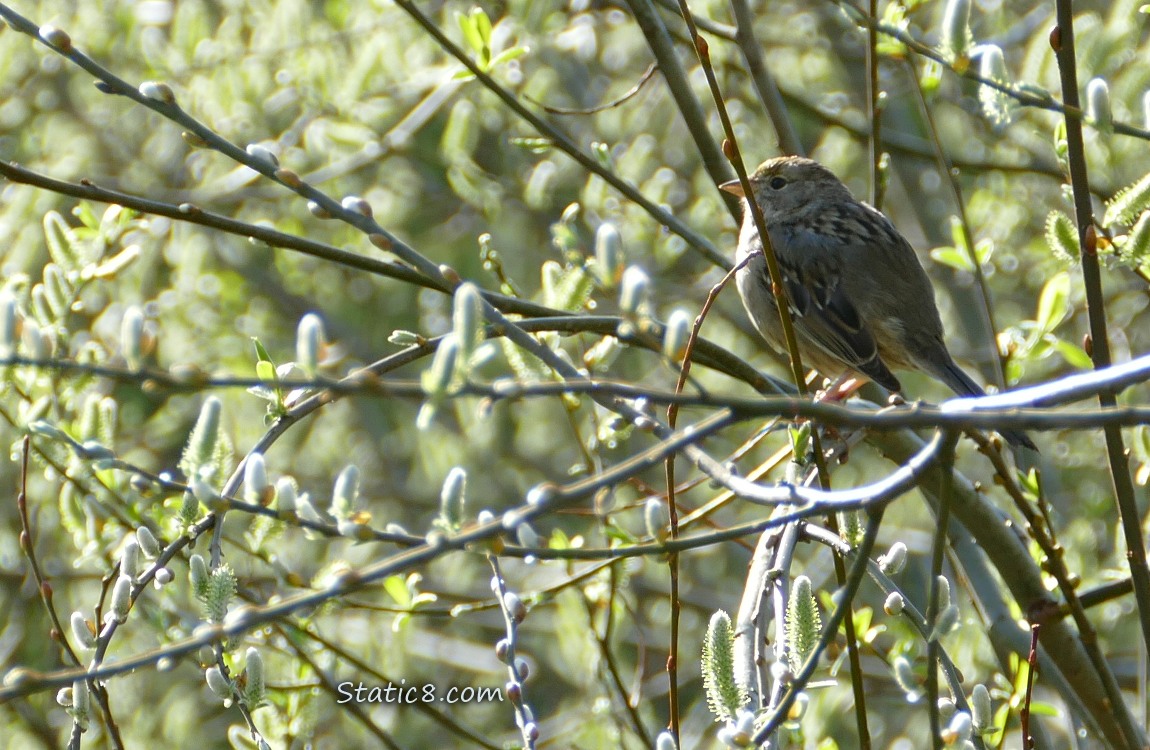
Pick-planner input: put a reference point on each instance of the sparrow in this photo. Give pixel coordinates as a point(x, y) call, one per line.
point(861, 302)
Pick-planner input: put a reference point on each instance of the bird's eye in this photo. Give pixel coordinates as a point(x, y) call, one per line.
point(778, 183)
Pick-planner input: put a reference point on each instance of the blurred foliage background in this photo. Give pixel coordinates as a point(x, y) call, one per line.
point(359, 100)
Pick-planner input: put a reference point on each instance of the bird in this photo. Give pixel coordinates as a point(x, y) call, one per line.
point(859, 298)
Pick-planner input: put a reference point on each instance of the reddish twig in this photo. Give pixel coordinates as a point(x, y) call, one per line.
point(599, 107)
point(673, 558)
point(1032, 662)
point(59, 633)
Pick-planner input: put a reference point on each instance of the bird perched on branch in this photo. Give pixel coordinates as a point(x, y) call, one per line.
point(860, 300)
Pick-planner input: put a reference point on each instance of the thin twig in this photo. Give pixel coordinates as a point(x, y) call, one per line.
point(673, 557)
point(44, 586)
point(679, 84)
point(938, 550)
point(830, 627)
point(695, 240)
point(946, 169)
point(731, 149)
point(1071, 110)
point(778, 582)
point(1026, 408)
point(909, 613)
point(1031, 668)
point(874, 112)
point(1062, 40)
point(627, 96)
point(765, 84)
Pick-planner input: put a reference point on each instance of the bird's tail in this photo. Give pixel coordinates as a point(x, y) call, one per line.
point(962, 384)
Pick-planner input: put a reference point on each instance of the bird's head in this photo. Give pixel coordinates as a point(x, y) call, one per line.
point(787, 185)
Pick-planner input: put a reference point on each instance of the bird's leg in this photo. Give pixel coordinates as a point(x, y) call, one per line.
point(842, 388)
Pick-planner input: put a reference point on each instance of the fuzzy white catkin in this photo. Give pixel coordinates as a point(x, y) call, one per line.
point(634, 292)
point(676, 335)
point(956, 36)
point(81, 632)
point(452, 496)
point(308, 342)
point(467, 318)
point(217, 682)
point(148, 542)
point(8, 323)
point(132, 337)
point(121, 598)
point(255, 478)
point(608, 255)
point(1098, 105)
point(285, 495)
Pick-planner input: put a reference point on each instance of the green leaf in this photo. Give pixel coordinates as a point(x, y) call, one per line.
point(112, 266)
point(1039, 708)
point(1041, 346)
point(461, 134)
point(559, 540)
point(266, 371)
point(396, 587)
point(476, 27)
point(470, 31)
point(984, 250)
point(1029, 481)
point(953, 257)
point(482, 25)
point(862, 619)
point(800, 440)
point(889, 46)
point(532, 145)
point(508, 55)
point(261, 352)
point(86, 215)
point(269, 395)
point(1074, 355)
point(1060, 143)
point(1053, 302)
point(958, 234)
point(602, 153)
point(931, 77)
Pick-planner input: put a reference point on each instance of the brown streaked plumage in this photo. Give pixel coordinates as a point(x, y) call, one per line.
point(861, 302)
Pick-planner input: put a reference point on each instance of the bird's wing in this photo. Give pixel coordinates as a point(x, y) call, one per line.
point(820, 306)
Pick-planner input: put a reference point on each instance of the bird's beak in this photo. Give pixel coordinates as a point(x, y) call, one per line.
point(734, 187)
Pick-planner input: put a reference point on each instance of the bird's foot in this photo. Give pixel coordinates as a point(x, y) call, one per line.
point(843, 387)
